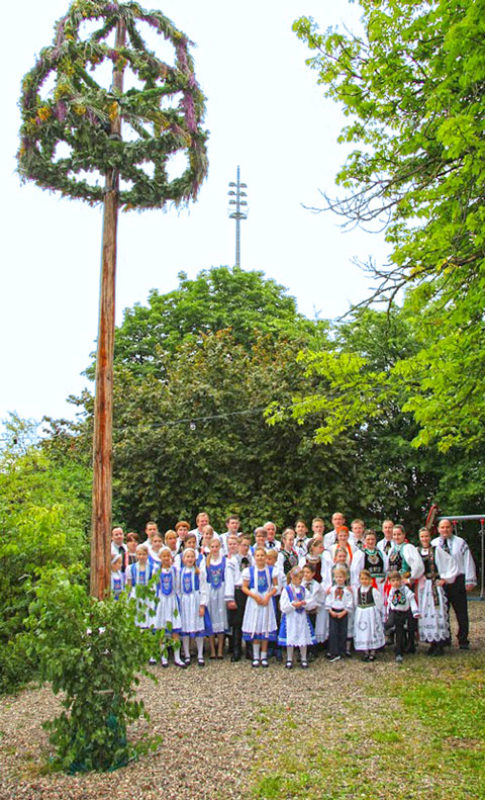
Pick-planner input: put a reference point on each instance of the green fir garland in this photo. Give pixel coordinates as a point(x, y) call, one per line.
point(79, 112)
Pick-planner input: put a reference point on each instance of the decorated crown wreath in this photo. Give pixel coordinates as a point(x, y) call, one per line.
point(163, 117)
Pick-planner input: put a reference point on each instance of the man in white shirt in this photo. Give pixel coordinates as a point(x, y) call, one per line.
point(466, 579)
point(330, 538)
point(201, 520)
point(117, 546)
point(385, 544)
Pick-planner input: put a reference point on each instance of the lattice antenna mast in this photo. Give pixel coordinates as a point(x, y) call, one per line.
point(238, 213)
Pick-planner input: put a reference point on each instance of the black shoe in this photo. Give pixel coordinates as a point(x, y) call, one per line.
point(464, 646)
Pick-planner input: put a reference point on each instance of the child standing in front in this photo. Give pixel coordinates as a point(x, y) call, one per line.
point(295, 629)
point(139, 574)
point(339, 604)
point(368, 626)
point(194, 620)
point(167, 617)
point(259, 623)
point(402, 608)
point(117, 577)
point(216, 604)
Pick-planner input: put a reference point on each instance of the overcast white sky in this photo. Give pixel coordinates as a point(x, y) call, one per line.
point(264, 112)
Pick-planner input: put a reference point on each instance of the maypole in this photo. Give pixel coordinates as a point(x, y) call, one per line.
point(103, 401)
point(164, 118)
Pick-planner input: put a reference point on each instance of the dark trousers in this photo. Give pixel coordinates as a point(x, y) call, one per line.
point(457, 599)
point(235, 619)
point(398, 620)
point(337, 635)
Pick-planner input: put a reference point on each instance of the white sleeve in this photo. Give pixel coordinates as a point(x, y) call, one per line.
point(469, 564)
point(378, 599)
point(230, 579)
point(357, 565)
point(246, 575)
point(447, 566)
point(349, 599)
point(177, 580)
point(414, 560)
point(326, 572)
point(412, 601)
point(313, 601)
point(285, 603)
point(203, 587)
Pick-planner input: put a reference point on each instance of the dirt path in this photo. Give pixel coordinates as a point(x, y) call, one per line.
point(211, 721)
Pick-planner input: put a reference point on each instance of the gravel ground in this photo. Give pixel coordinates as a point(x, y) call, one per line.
point(208, 720)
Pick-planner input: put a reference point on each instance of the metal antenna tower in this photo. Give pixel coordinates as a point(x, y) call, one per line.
point(239, 212)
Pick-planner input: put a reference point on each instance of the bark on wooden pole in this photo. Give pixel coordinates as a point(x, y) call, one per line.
point(103, 408)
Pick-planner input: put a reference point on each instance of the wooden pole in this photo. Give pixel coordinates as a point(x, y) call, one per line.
point(103, 406)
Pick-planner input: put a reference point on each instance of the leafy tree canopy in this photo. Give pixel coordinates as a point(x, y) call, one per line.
point(412, 85)
point(44, 518)
point(222, 297)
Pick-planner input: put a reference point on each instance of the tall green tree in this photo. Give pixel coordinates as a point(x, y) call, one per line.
point(222, 297)
point(412, 84)
point(44, 523)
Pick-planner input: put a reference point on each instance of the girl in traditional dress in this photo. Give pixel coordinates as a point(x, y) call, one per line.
point(216, 605)
point(167, 617)
point(207, 537)
point(342, 542)
point(170, 540)
point(153, 548)
point(371, 559)
point(139, 574)
point(296, 629)
point(287, 556)
point(369, 633)
point(195, 621)
point(319, 563)
point(439, 568)
point(117, 577)
point(341, 563)
point(131, 545)
point(272, 561)
point(339, 602)
point(259, 622)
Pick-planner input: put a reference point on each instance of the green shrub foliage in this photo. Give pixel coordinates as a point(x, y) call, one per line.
point(93, 653)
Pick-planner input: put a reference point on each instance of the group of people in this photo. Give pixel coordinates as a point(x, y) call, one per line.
point(343, 591)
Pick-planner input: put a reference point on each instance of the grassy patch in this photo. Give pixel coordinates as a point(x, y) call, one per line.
point(419, 736)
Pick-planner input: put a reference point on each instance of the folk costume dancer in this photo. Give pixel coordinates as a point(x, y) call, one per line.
point(339, 603)
point(194, 616)
point(440, 569)
point(369, 633)
point(216, 604)
point(402, 609)
point(140, 574)
point(259, 622)
point(235, 597)
point(373, 560)
point(465, 580)
point(167, 617)
point(296, 629)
